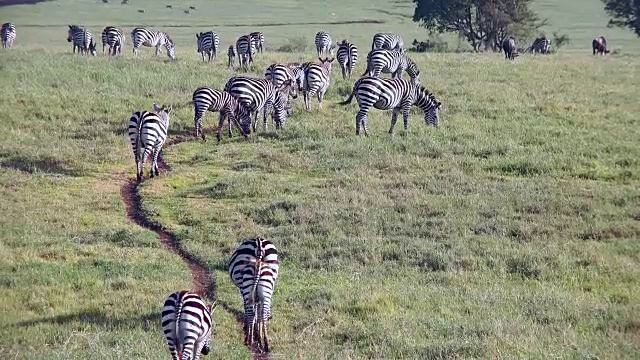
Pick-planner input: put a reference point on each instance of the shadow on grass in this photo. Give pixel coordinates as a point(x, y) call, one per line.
point(148, 321)
point(47, 165)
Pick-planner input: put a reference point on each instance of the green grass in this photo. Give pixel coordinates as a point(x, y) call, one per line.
point(511, 231)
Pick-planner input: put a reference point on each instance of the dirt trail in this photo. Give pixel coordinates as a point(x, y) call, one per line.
point(203, 279)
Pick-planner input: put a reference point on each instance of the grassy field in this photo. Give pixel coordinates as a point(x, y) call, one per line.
point(510, 232)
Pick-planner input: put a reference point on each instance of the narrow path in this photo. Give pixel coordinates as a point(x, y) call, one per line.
point(203, 279)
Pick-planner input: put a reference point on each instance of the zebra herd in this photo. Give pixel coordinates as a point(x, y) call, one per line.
point(187, 321)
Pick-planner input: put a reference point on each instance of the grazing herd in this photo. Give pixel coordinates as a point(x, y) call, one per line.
point(186, 318)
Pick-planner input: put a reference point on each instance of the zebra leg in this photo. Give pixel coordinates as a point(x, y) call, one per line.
point(306, 99)
point(220, 126)
point(154, 165)
point(198, 350)
point(320, 96)
point(138, 164)
point(394, 120)
point(199, 116)
point(187, 350)
point(344, 71)
point(172, 349)
point(158, 49)
point(145, 154)
point(405, 117)
point(361, 120)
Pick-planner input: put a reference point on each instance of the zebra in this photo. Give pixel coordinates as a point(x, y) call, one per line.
point(152, 38)
point(8, 34)
point(396, 94)
point(81, 38)
point(113, 37)
point(540, 45)
point(279, 73)
point(323, 43)
point(257, 95)
point(245, 48)
point(317, 80)
point(187, 325)
point(253, 268)
point(387, 41)
point(206, 98)
point(509, 47)
point(258, 40)
point(208, 43)
point(148, 132)
point(231, 54)
point(599, 45)
point(347, 57)
point(281, 109)
point(391, 61)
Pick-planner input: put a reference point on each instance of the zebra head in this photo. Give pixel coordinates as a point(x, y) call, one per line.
point(413, 71)
point(170, 46)
point(93, 48)
point(326, 63)
point(288, 88)
point(72, 29)
point(429, 104)
point(243, 116)
point(164, 112)
point(207, 341)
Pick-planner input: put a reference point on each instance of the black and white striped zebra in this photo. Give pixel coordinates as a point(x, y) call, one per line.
point(396, 94)
point(387, 41)
point(231, 55)
point(258, 40)
point(206, 98)
point(152, 38)
point(281, 109)
point(393, 62)
point(509, 48)
point(257, 95)
point(187, 324)
point(148, 132)
point(245, 49)
point(82, 39)
point(324, 44)
point(317, 80)
point(279, 73)
point(599, 46)
point(253, 268)
point(208, 43)
point(114, 38)
point(8, 34)
point(540, 45)
point(347, 56)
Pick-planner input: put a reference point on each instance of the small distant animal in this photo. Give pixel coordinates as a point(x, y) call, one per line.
point(323, 43)
point(148, 132)
point(245, 49)
point(141, 11)
point(105, 1)
point(187, 12)
point(510, 49)
point(152, 38)
point(192, 7)
point(169, 6)
point(231, 54)
point(207, 43)
point(258, 40)
point(8, 34)
point(540, 45)
point(187, 325)
point(124, 2)
point(113, 37)
point(82, 39)
point(599, 46)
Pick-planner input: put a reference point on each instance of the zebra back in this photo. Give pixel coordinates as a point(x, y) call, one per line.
point(245, 48)
point(540, 45)
point(82, 39)
point(347, 56)
point(8, 34)
point(258, 40)
point(208, 42)
point(187, 324)
point(387, 41)
point(323, 43)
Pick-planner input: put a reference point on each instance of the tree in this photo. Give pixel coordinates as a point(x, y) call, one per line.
point(483, 23)
point(624, 13)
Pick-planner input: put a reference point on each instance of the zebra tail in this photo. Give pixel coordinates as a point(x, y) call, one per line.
point(348, 101)
point(139, 140)
point(178, 314)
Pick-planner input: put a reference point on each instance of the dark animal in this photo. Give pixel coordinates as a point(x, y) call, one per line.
point(599, 45)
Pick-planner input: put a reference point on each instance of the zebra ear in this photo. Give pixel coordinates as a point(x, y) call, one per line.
point(439, 105)
point(156, 107)
point(197, 36)
point(168, 109)
point(321, 60)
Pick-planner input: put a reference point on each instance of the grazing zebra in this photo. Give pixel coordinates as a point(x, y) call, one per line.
point(387, 41)
point(148, 132)
point(323, 43)
point(396, 94)
point(258, 40)
point(245, 48)
point(8, 34)
point(347, 57)
point(231, 54)
point(257, 95)
point(317, 80)
point(391, 61)
point(208, 43)
point(152, 38)
point(206, 98)
point(81, 38)
point(187, 325)
point(253, 268)
point(540, 45)
point(281, 109)
point(509, 47)
point(599, 45)
point(113, 37)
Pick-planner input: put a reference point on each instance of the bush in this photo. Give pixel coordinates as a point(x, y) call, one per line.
point(294, 45)
point(558, 41)
point(433, 44)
